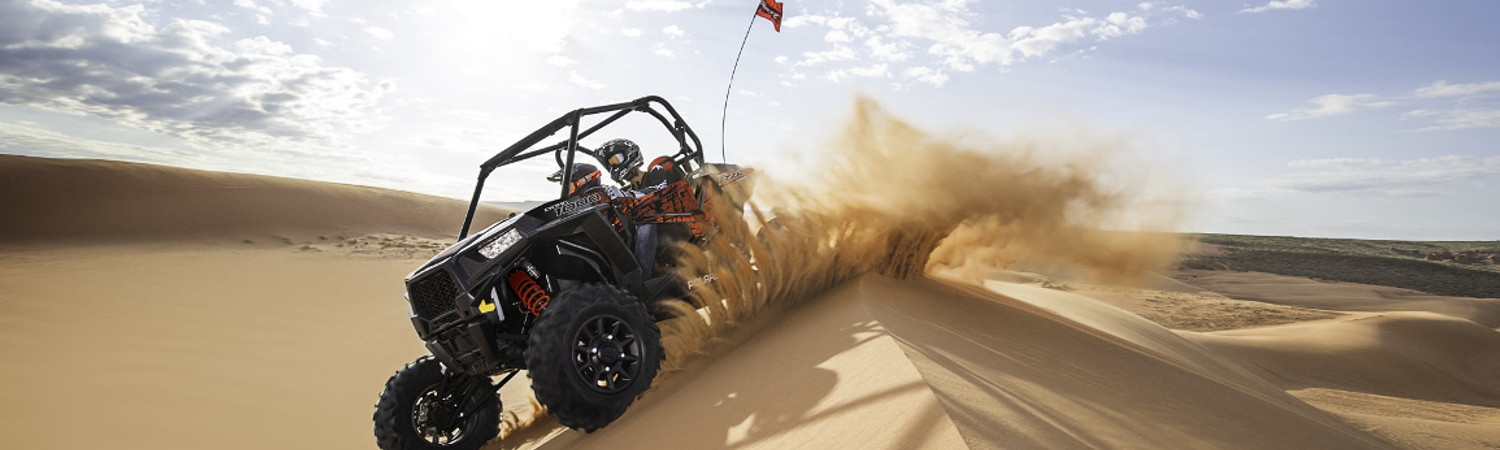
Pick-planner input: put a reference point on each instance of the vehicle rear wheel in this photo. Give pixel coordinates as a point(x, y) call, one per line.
point(421, 408)
point(591, 353)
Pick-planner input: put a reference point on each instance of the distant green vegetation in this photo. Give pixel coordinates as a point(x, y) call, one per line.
point(1459, 268)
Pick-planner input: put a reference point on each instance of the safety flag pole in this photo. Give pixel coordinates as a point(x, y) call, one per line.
point(771, 10)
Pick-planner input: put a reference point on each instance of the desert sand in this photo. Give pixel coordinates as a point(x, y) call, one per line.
point(153, 324)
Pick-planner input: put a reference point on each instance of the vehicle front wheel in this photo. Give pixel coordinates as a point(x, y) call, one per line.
point(591, 353)
point(424, 408)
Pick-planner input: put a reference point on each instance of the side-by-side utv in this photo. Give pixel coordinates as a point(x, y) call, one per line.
point(558, 291)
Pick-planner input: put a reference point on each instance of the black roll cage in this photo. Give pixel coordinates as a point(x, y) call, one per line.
point(689, 157)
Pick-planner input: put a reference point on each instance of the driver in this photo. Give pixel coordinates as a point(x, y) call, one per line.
point(623, 160)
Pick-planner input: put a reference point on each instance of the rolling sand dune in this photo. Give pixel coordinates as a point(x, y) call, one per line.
point(55, 200)
point(1303, 292)
point(1423, 356)
point(1416, 378)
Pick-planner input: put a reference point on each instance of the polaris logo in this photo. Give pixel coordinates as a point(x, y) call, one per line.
point(730, 177)
point(567, 207)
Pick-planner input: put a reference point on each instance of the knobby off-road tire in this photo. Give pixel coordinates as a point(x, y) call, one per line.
point(396, 418)
point(591, 353)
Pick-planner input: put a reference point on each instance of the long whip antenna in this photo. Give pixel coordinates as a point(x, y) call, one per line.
point(724, 115)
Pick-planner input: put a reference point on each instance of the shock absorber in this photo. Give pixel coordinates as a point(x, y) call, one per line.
point(529, 291)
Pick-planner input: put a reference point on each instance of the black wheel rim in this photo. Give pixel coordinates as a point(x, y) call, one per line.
point(606, 354)
point(437, 419)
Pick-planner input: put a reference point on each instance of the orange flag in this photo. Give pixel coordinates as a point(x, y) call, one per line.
point(771, 10)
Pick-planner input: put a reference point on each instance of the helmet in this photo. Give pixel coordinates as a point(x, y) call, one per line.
point(622, 157)
point(585, 176)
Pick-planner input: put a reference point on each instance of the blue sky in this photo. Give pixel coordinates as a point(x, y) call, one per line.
point(1376, 119)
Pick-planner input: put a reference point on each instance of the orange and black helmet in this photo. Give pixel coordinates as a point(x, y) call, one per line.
point(585, 176)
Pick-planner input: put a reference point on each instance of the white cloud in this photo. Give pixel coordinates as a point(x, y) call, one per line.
point(1186, 12)
point(1422, 177)
point(631, 32)
point(560, 61)
point(840, 53)
point(250, 4)
point(948, 26)
point(578, 79)
point(657, 5)
point(1443, 89)
point(1282, 4)
point(801, 20)
point(1033, 42)
point(380, 33)
point(313, 6)
point(1389, 177)
point(872, 71)
point(674, 31)
point(926, 75)
point(1334, 104)
point(1457, 119)
point(1446, 106)
point(888, 51)
point(949, 35)
point(662, 50)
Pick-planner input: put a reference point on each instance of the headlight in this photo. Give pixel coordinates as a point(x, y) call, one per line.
point(495, 247)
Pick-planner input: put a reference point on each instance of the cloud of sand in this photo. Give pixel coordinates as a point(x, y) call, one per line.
point(888, 198)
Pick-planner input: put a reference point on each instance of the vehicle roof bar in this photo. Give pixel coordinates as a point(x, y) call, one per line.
point(519, 150)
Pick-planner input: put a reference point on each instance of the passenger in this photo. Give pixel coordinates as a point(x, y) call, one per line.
point(585, 177)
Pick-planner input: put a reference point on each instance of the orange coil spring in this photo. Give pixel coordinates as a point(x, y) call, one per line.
point(529, 291)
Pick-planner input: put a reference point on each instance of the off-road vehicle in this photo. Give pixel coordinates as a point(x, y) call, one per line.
point(557, 291)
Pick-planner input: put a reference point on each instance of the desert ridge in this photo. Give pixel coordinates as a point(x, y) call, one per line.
point(52, 201)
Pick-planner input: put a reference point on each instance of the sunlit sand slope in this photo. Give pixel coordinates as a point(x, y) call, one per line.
point(890, 364)
point(56, 200)
point(827, 376)
point(123, 348)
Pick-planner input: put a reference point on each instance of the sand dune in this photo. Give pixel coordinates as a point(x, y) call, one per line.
point(55, 200)
point(1420, 380)
point(1335, 296)
point(1411, 423)
point(1422, 356)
